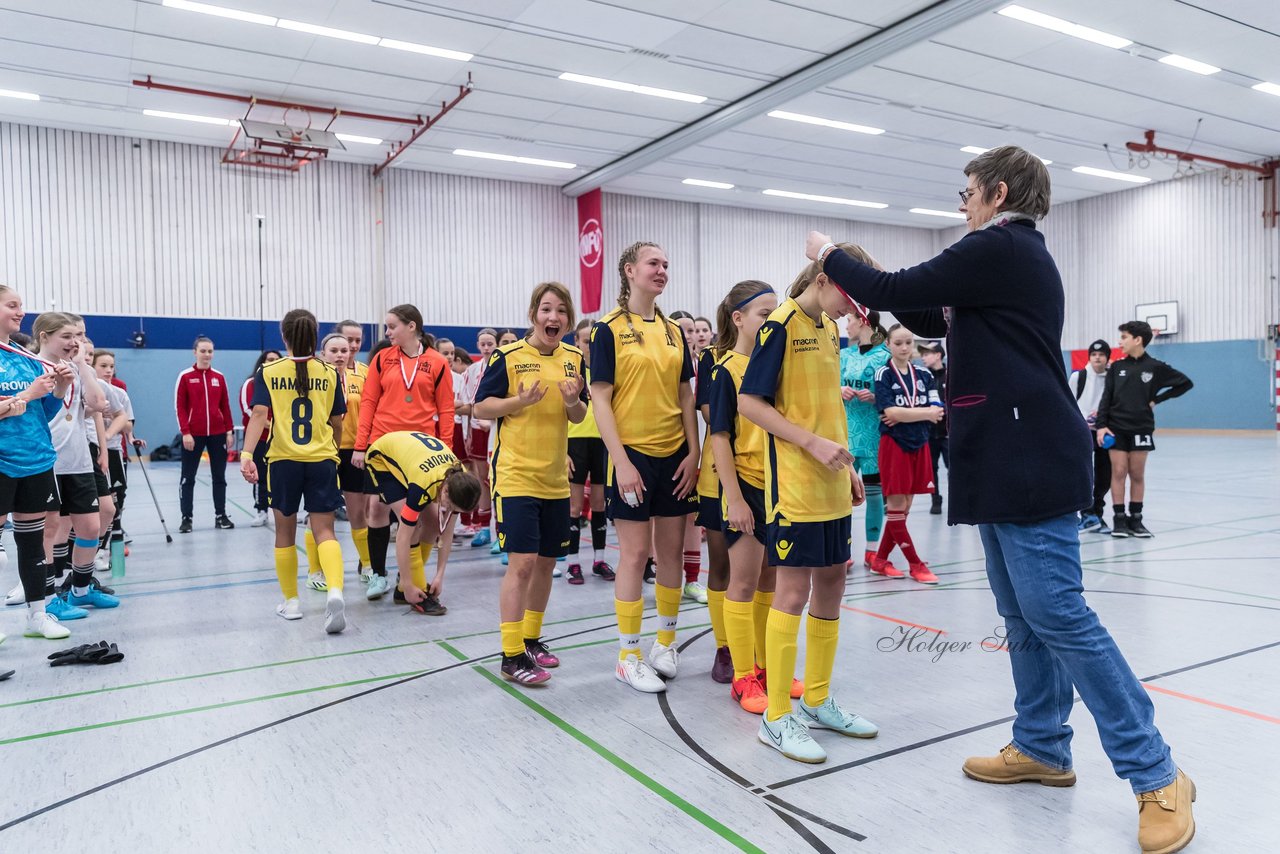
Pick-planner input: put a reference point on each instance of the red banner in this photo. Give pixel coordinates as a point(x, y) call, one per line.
point(590, 251)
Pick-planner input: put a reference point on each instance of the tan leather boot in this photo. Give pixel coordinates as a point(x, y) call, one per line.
point(1165, 823)
point(1013, 766)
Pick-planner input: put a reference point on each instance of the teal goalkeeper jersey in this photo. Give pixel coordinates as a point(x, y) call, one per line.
point(858, 371)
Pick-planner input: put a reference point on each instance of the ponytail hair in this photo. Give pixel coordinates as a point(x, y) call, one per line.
point(463, 488)
point(739, 294)
point(407, 313)
point(629, 256)
point(878, 333)
point(299, 330)
point(47, 324)
point(810, 274)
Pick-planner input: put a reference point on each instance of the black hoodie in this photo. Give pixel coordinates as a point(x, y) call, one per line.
point(1132, 386)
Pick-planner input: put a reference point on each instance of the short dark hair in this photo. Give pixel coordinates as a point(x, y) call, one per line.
point(1021, 171)
point(1138, 329)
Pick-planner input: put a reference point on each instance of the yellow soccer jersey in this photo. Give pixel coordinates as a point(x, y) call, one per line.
point(796, 367)
point(708, 482)
point(746, 438)
point(354, 386)
point(300, 428)
point(530, 446)
point(419, 461)
point(587, 428)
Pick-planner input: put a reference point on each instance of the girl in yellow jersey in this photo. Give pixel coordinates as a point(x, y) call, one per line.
point(588, 459)
point(640, 373)
point(791, 389)
point(739, 448)
point(303, 398)
point(532, 389)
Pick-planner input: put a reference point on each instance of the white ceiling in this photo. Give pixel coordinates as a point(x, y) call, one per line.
point(985, 82)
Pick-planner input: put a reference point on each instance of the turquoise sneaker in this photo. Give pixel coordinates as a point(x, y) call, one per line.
point(790, 738)
point(59, 607)
point(482, 538)
point(830, 716)
point(496, 548)
point(505, 558)
point(93, 597)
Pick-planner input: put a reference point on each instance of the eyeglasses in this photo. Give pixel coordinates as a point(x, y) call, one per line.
point(965, 195)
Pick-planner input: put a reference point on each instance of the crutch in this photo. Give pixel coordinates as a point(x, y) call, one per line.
point(147, 478)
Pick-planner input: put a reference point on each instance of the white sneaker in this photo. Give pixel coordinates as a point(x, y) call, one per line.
point(664, 659)
point(556, 572)
point(335, 617)
point(315, 581)
point(17, 596)
point(290, 609)
point(378, 587)
point(42, 625)
point(791, 738)
point(259, 519)
point(695, 591)
point(102, 560)
point(635, 672)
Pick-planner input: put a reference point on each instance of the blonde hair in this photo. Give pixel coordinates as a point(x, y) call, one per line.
point(541, 291)
point(810, 274)
point(727, 333)
point(47, 324)
point(629, 256)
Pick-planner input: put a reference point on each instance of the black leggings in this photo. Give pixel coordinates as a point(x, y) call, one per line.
point(217, 448)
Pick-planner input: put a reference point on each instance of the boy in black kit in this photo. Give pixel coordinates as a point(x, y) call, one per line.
point(1135, 384)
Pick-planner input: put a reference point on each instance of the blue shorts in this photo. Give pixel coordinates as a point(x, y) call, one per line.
point(812, 544)
point(532, 525)
point(291, 483)
point(384, 485)
point(754, 497)
point(709, 514)
point(659, 499)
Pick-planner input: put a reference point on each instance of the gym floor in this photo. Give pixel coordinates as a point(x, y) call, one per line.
point(226, 728)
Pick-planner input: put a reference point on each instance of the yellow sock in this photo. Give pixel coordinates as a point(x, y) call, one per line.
point(629, 615)
point(330, 559)
point(313, 556)
point(780, 654)
point(360, 536)
point(425, 550)
point(761, 603)
point(417, 571)
point(287, 571)
point(820, 637)
point(715, 610)
point(512, 642)
point(668, 599)
point(739, 625)
point(533, 624)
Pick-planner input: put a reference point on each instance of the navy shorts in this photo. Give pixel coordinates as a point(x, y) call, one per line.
point(659, 499)
point(28, 494)
point(1130, 442)
point(350, 478)
point(709, 513)
point(532, 525)
point(812, 544)
point(754, 497)
point(384, 485)
point(590, 459)
point(314, 485)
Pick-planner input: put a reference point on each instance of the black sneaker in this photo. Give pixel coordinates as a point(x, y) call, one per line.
point(575, 573)
point(603, 571)
point(650, 572)
point(1137, 529)
point(223, 522)
point(935, 509)
point(185, 527)
point(430, 606)
point(398, 596)
point(1120, 527)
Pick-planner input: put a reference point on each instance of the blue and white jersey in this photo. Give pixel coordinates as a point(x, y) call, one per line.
point(25, 445)
point(909, 389)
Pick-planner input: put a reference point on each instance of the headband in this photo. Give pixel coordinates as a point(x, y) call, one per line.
point(740, 305)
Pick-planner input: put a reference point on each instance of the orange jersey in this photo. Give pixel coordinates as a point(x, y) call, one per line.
point(402, 393)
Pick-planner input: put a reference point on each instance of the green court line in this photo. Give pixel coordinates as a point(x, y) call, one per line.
point(613, 759)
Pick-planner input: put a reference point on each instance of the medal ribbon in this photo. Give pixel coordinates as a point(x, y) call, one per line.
point(408, 380)
point(911, 400)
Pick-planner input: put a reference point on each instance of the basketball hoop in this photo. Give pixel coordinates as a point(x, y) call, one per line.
point(298, 130)
point(1155, 333)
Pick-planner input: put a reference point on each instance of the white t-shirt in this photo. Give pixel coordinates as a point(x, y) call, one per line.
point(68, 433)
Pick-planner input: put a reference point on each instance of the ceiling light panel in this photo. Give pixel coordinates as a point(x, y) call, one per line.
point(1058, 25)
point(22, 96)
point(329, 32)
point(973, 149)
point(1189, 64)
point(1114, 176)
point(931, 212)
point(511, 158)
point(1269, 88)
point(830, 123)
point(363, 140)
point(221, 12)
point(715, 185)
point(633, 87)
point(188, 117)
point(396, 44)
point(830, 200)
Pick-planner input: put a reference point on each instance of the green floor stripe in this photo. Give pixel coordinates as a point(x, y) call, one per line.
point(618, 762)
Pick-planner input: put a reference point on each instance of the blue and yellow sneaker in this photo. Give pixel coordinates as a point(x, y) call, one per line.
point(93, 597)
point(830, 716)
point(482, 538)
point(59, 607)
point(790, 738)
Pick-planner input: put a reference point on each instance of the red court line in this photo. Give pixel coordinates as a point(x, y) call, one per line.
point(1201, 700)
point(892, 619)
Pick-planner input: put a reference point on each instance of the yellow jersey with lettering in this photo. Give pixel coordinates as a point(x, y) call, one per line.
point(708, 482)
point(300, 428)
point(354, 385)
point(419, 461)
point(530, 445)
point(645, 361)
point(745, 436)
point(587, 427)
point(796, 367)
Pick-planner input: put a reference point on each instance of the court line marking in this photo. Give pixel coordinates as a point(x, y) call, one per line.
point(892, 619)
point(721, 830)
point(1223, 706)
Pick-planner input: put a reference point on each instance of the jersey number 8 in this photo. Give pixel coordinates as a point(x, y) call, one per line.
point(302, 426)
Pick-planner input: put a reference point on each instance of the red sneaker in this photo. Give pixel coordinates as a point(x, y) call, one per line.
point(881, 566)
point(797, 687)
point(921, 572)
point(867, 557)
point(749, 694)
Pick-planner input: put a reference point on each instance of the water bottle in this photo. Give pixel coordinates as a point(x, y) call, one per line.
point(117, 557)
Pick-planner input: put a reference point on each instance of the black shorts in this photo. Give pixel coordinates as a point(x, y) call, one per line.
point(709, 513)
point(384, 485)
point(1130, 442)
point(76, 494)
point(28, 494)
point(350, 478)
point(532, 525)
point(589, 458)
point(658, 500)
point(812, 544)
point(754, 496)
point(99, 476)
point(314, 485)
point(116, 474)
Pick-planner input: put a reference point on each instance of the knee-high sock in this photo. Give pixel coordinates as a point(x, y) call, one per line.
point(761, 604)
point(287, 571)
point(81, 577)
point(820, 637)
point(904, 540)
point(575, 535)
point(482, 517)
point(740, 629)
point(424, 549)
point(417, 569)
point(360, 537)
point(533, 624)
point(875, 515)
point(780, 653)
point(896, 530)
point(28, 538)
point(715, 610)
point(329, 556)
point(599, 532)
point(512, 640)
point(692, 565)
point(313, 553)
point(629, 616)
point(892, 528)
point(60, 553)
point(668, 601)
point(378, 540)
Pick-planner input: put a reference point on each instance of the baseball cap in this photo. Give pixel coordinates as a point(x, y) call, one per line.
point(930, 347)
point(1100, 346)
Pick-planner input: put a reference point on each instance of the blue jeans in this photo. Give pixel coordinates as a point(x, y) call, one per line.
point(1055, 642)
